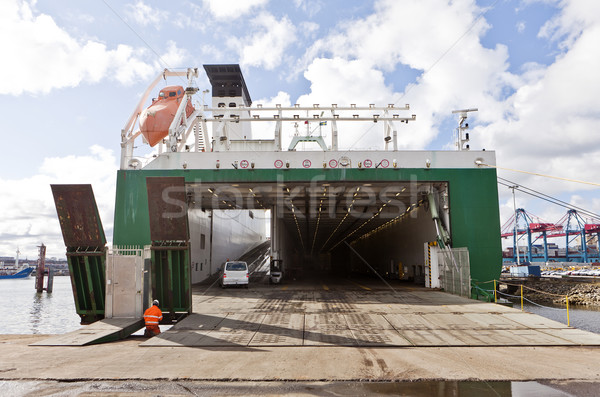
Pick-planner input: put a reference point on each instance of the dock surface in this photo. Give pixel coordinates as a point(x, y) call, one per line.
point(325, 332)
point(106, 330)
point(370, 317)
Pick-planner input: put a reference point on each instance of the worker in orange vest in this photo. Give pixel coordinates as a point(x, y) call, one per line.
point(152, 317)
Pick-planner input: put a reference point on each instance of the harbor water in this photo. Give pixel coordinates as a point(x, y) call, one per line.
point(582, 317)
point(26, 311)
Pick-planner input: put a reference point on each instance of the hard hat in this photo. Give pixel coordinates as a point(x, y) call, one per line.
point(155, 302)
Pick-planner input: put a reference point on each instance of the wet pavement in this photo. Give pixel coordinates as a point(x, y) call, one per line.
point(189, 388)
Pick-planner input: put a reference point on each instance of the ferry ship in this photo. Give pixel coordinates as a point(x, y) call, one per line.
point(195, 187)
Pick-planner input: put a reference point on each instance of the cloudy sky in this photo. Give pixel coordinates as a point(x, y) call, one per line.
point(73, 71)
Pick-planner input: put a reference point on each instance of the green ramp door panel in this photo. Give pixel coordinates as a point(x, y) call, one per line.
point(171, 272)
point(78, 216)
point(84, 238)
point(167, 209)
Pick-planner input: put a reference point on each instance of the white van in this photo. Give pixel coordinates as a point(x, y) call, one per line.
point(235, 273)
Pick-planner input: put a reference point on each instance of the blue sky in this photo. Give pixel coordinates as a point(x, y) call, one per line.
point(74, 71)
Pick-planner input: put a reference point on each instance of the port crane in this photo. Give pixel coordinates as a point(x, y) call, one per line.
point(571, 226)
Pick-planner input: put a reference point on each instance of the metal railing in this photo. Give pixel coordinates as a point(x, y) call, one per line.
point(521, 295)
point(455, 271)
point(126, 250)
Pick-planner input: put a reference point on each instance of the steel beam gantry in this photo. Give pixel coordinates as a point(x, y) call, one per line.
point(523, 224)
point(570, 226)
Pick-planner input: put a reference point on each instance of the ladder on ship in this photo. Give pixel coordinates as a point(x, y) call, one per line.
point(200, 142)
point(199, 135)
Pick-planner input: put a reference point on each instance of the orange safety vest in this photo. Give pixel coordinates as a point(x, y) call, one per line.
point(152, 317)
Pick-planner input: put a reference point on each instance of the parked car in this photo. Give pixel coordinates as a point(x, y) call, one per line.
point(235, 273)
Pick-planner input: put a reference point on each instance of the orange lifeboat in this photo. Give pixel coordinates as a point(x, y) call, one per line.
point(156, 119)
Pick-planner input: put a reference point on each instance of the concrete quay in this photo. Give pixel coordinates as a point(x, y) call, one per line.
point(324, 332)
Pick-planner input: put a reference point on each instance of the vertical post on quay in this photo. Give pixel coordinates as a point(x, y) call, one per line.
point(495, 296)
point(521, 297)
point(568, 319)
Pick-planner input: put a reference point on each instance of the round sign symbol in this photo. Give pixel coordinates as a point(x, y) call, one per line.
point(306, 163)
point(368, 163)
point(244, 163)
point(333, 163)
point(385, 163)
point(278, 164)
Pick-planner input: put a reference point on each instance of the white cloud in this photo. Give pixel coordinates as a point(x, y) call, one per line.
point(266, 130)
point(308, 28)
point(79, 17)
point(282, 98)
point(186, 21)
point(268, 44)
point(340, 81)
point(552, 118)
point(310, 7)
point(574, 18)
point(413, 32)
point(29, 213)
point(543, 119)
point(45, 57)
point(343, 82)
point(440, 39)
point(174, 57)
point(232, 9)
point(144, 15)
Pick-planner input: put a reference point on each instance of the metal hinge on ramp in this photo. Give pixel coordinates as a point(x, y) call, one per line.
point(107, 330)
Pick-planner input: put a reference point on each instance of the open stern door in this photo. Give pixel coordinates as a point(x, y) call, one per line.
point(171, 271)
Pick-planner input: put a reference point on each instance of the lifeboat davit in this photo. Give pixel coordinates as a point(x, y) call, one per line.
point(157, 118)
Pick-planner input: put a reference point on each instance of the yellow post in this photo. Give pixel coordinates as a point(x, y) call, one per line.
point(521, 297)
point(495, 297)
point(568, 320)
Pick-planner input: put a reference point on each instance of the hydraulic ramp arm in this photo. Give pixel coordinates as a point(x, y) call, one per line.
point(443, 237)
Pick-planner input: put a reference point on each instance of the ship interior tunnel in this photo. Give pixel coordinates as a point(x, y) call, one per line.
point(333, 229)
